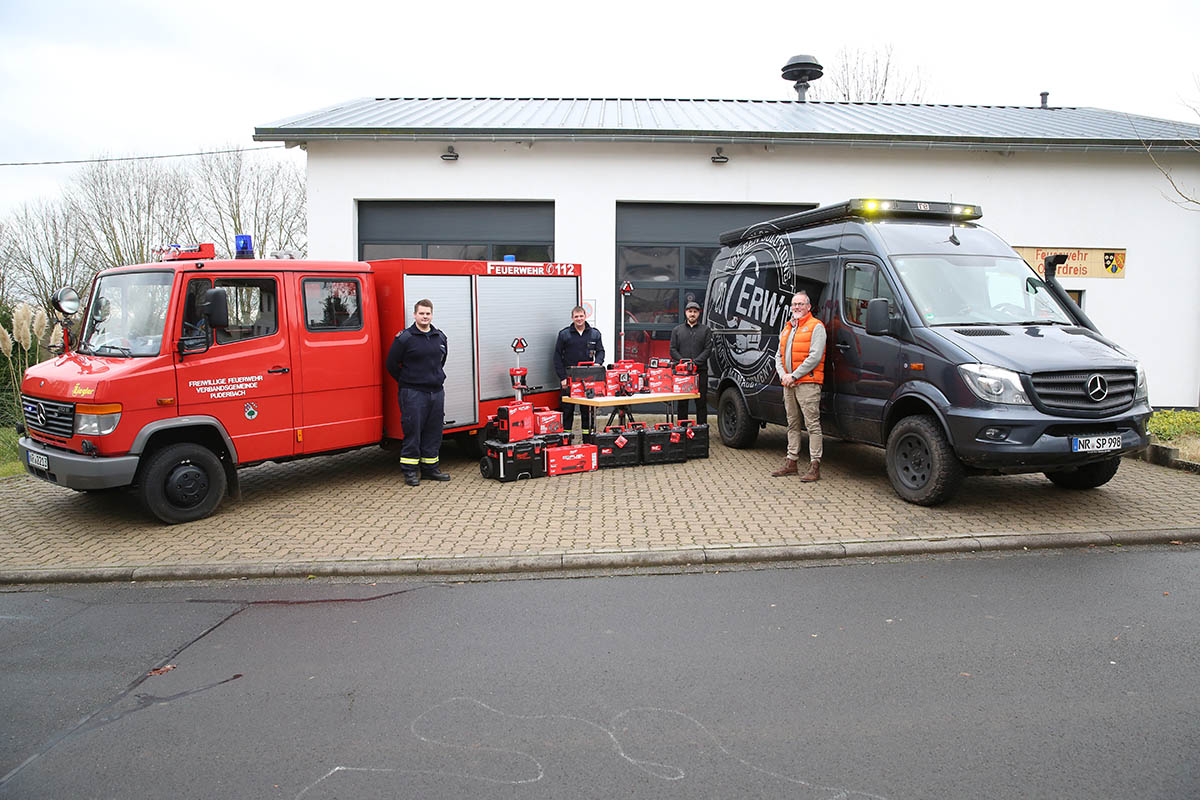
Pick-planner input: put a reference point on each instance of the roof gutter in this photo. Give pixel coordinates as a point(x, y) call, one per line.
point(301, 136)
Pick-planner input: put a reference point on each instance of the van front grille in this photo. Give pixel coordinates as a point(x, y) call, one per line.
point(49, 416)
point(1101, 391)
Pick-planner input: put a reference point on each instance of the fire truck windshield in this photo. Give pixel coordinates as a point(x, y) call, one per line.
point(978, 290)
point(127, 315)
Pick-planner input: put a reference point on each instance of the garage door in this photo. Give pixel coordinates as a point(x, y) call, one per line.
point(474, 231)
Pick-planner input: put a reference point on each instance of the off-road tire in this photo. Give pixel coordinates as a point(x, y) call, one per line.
point(1089, 476)
point(734, 422)
point(920, 462)
point(182, 483)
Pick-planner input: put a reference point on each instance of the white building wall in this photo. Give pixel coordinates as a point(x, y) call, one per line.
point(1096, 200)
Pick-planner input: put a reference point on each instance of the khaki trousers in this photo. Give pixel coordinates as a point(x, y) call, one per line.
point(803, 399)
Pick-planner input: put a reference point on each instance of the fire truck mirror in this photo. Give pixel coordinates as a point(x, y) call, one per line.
point(101, 309)
point(216, 308)
point(195, 339)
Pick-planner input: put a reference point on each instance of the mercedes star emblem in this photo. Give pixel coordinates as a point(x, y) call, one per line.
point(39, 414)
point(1097, 388)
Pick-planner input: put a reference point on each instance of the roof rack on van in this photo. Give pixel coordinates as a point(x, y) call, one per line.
point(865, 208)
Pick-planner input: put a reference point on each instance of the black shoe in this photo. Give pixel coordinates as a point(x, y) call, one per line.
point(412, 479)
point(435, 475)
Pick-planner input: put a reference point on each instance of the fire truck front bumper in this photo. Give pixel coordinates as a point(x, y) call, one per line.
point(76, 471)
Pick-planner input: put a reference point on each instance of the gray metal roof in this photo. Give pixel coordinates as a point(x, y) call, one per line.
point(717, 121)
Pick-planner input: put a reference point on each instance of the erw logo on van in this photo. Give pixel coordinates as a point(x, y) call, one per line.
point(747, 306)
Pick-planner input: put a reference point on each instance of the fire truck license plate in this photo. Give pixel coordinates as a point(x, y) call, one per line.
point(38, 461)
point(1095, 444)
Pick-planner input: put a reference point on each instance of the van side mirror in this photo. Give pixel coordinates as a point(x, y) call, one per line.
point(879, 320)
point(216, 308)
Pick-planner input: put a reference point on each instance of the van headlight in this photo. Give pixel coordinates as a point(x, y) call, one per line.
point(96, 420)
point(994, 384)
point(1143, 389)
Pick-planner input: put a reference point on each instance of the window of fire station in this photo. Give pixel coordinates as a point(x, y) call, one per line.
point(332, 304)
point(665, 279)
point(537, 253)
point(253, 304)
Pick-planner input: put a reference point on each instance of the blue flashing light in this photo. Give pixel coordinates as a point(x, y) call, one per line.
point(243, 246)
point(510, 258)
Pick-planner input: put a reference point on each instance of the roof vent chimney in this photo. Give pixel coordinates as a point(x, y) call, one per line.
point(802, 69)
point(1045, 99)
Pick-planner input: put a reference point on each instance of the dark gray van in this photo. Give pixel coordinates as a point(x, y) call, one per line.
point(943, 346)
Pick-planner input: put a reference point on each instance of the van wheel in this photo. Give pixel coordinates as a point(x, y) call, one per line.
point(182, 483)
point(920, 462)
point(733, 420)
point(1089, 476)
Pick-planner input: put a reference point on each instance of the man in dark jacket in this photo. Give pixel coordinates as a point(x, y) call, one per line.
point(417, 360)
point(577, 343)
point(692, 341)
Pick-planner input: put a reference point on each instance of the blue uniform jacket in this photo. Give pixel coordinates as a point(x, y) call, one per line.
point(573, 348)
point(417, 358)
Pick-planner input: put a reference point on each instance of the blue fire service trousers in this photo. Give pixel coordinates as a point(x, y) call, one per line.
point(421, 415)
point(587, 416)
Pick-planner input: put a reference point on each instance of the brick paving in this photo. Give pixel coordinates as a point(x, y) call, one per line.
point(355, 508)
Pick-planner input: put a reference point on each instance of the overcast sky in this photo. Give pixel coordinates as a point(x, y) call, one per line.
point(82, 78)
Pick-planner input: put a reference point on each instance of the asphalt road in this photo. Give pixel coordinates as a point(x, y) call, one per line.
point(1041, 674)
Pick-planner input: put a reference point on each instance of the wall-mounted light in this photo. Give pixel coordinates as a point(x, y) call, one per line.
point(720, 158)
point(450, 155)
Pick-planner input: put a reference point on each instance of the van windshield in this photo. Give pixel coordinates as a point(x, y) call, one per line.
point(127, 315)
point(978, 290)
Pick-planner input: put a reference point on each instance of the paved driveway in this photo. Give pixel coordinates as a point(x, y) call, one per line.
point(355, 508)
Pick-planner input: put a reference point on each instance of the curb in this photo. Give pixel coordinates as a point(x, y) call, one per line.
point(608, 560)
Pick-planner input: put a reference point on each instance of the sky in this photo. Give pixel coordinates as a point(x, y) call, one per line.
point(86, 78)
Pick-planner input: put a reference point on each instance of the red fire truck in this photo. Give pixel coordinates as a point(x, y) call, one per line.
point(186, 369)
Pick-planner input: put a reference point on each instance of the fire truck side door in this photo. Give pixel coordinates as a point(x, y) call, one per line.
point(337, 381)
point(244, 379)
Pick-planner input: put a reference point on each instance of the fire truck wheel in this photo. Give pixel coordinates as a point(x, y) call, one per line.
point(182, 482)
point(736, 427)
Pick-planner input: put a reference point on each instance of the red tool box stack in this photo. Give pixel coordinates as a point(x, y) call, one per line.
point(514, 422)
point(684, 379)
point(659, 376)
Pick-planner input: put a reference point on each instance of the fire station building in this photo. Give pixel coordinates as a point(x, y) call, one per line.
point(640, 189)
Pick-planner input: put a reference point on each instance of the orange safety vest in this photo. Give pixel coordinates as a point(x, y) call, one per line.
point(800, 348)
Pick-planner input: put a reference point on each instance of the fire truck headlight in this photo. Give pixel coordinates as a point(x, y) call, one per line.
point(96, 420)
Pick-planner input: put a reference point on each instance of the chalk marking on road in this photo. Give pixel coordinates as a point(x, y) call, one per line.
point(662, 771)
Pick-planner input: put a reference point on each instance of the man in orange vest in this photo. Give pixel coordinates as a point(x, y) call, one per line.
point(800, 363)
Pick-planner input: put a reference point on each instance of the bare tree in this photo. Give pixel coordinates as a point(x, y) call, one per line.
point(1186, 196)
point(240, 193)
point(128, 209)
point(43, 249)
point(869, 76)
point(118, 213)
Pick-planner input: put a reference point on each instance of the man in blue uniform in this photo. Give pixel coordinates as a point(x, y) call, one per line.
point(577, 343)
point(417, 360)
